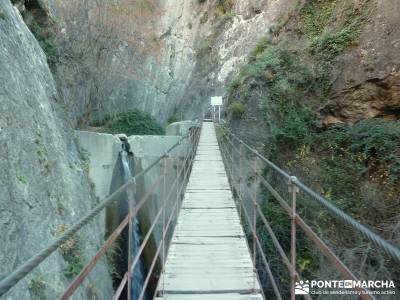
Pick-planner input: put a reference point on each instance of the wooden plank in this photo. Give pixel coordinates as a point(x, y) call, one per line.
point(209, 257)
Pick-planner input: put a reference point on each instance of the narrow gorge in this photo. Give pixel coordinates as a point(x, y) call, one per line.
point(95, 90)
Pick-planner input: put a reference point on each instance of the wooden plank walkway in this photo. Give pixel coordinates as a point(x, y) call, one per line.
point(208, 256)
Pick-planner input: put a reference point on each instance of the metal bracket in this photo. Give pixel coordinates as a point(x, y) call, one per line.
point(292, 184)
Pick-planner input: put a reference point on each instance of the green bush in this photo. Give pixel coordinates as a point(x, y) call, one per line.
point(74, 267)
point(71, 251)
point(133, 122)
point(37, 286)
point(237, 109)
point(225, 6)
point(47, 41)
point(330, 45)
point(355, 166)
point(261, 45)
point(287, 83)
point(371, 142)
point(172, 119)
point(316, 15)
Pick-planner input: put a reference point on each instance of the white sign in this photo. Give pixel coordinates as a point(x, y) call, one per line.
point(216, 100)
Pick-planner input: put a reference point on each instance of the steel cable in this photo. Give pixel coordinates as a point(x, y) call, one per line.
point(23, 270)
point(386, 246)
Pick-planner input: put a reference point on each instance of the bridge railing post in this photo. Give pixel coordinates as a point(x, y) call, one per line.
point(255, 207)
point(232, 164)
point(130, 233)
point(240, 178)
point(164, 193)
point(293, 190)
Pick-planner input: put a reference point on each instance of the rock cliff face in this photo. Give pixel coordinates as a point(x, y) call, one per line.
point(203, 45)
point(221, 35)
point(367, 79)
point(319, 97)
point(43, 183)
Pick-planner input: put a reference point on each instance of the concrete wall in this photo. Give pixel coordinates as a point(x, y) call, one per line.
point(102, 150)
point(146, 150)
point(179, 128)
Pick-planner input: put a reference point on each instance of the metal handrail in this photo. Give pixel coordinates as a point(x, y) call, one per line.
point(309, 232)
point(386, 246)
point(86, 270)
point(131, 265)
point(23, 270)
point(294, 186)
point(253, 227)
point(133, 212)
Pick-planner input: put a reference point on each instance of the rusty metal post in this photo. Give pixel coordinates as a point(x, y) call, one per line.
point(181, 169)
point(293, 190)
point(240, 178)
point(163, 223)
point(130, 233)
point(234, 167)
point(232, 164)
point(255, 207)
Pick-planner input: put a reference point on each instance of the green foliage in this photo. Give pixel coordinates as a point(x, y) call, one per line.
point(330, 45)
point(172, 119)
point(84, 156)
point(22, 179)
point(260, 47)
point(47, 41)
point(133, 122)
point(225, 6)
point(323, 79)
point(74, 267)
point(354, 166)
point(316, 15)
point(348, 157)
point(220, 132)
point(287, 82)
point(71, 251)
point(237, 109)
point(353, 160)
point(280, 23)
point(373, 143)
point(37, 286)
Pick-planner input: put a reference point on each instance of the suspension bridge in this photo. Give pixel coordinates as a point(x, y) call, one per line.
point(204, 252)
point(209, 257)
